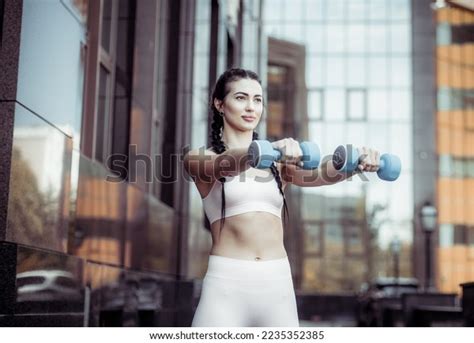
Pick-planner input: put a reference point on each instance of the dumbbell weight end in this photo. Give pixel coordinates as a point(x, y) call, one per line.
point(347, 159)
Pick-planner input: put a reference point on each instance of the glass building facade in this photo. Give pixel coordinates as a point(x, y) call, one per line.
point(94, 99)
point(359, 91)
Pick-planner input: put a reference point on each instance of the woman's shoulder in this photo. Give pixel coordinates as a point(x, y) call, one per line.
point(193, 159)
point(200, 151)
point(210, 150)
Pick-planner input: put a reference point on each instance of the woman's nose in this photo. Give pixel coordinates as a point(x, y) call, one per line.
point(250, 106)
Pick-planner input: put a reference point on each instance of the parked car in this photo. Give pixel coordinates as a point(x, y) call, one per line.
point(47, 285)
point(381, 295)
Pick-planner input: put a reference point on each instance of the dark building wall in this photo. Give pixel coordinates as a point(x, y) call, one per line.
point(425, 161)
point(9, 51)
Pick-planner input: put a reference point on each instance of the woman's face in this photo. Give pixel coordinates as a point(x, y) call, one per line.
point(243, 105)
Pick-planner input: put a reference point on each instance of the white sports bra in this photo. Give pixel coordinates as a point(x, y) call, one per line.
point(244, 193)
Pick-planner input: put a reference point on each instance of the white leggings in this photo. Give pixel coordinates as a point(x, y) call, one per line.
point(239, 292)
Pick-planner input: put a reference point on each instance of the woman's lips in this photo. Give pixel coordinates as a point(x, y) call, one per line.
point(249, 119)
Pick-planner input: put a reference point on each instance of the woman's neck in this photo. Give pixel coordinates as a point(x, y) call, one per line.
point(237, 140)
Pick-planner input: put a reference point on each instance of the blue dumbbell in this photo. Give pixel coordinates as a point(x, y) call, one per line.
point(262, 154)
point(346, 158)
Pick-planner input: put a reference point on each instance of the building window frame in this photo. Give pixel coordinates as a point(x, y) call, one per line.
point(319, 252)
point(311, 93)
point(350, 228)
point(99, 58)
point(355, 90)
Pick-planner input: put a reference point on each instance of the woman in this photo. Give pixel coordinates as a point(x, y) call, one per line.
point(248, 281)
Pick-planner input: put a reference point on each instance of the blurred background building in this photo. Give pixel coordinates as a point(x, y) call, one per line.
point(99, 223)
point(455, 145)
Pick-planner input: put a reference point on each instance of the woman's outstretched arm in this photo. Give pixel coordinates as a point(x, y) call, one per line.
point(327, 174)
point(207, 166)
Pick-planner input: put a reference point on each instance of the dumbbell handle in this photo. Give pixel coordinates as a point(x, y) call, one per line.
point(263, 154)
point(277, 154)
point(382, 163)
point(349, 159)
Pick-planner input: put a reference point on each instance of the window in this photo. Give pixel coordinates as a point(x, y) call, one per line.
point(333, 232)
point(353, 239)
point(378, 38)
point(335, 72)
point(334, 102)
point(458, 98)
point(470, 168)
point(356, 38)
point(315, 10)
point(335, 38)
point(446, 235)
point(356, 10)
point(462, 34)
point(400, 37)
point(109, 66)
point(451, 98)
point(335, 10)
point(377, 10)
point(103, 119)
point(315, 104)
point(444, 99)
point(378, 71)
point(378, 104)
point(317, 32)
point(315, 71)
point(356, 104)
point(445, 165)
point(356, 72)
point(443, 34)
point(280, 94)
point(401, 104)
point(470, 236)
point(313, 238)
point(333, 247)
point(458, 168)
point(460, 234)
point(122, 88)
point(96, 142)
point(400, 71)
point(463, 234)
point(399, 9)
point(468, 98)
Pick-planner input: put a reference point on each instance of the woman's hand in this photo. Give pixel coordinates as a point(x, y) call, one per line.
point(369, 159)
point(290, 151)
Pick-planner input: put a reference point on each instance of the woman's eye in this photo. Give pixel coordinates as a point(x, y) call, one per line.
point(258, 100)
point(240, 97)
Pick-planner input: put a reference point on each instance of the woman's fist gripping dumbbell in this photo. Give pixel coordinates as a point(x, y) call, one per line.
point(263, 153)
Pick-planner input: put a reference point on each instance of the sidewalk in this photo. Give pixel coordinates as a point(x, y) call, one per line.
point(338, 323)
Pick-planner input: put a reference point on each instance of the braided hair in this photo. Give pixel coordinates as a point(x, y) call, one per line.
point(219, 92)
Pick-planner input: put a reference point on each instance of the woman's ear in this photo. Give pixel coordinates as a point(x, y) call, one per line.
point(218, 104)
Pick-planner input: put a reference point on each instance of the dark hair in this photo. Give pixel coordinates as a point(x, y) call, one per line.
point(219, 92)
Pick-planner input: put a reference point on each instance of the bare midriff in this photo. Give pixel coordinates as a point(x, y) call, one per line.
point(253, 236)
